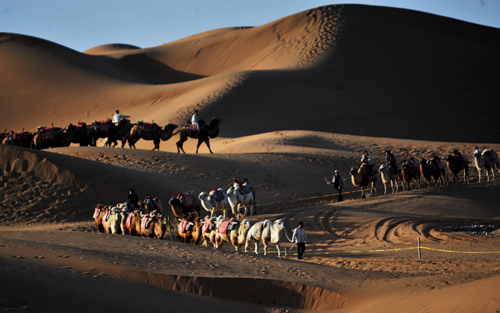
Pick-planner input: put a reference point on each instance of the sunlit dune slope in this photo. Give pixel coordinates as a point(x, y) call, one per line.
point(348, 69)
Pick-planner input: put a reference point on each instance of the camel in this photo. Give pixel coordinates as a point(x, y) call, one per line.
point(236, 198)
point(111, 221)
point(50, 137)
point(237, 235)
point(388, 177)
point(124, 213)
point(180, 205)
point(430, 170)
point(138, 132)
point(483, 163)
point(360, 177)
point(210, 130)
point(411, 172)
point(20, 139)
point(102, 129)
point(122, 133)
point(192, 231)
point(78, 134)
point(148, 221)
point(152, 205)
point(99, 212)
point(160, 226)
point(210, 203)
point(456, 164)
point(209, 229)
point(133, 222)
point(267, 232)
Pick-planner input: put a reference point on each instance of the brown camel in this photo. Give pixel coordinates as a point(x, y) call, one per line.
point(430, 170)
point(49, 137)
point(99, 212)
point(102, 129)
point(179, 209)
point(78, 134)
point(134, 226)
point(237, 235)
point(360, 177)
point(160, 226)
point(210, 130)
point(122, 133)
point(456, 164)
point(148, 224)
point(192, 231)
point(411, 171)
point(20, 139)
point(154, 133)
point(209, 229)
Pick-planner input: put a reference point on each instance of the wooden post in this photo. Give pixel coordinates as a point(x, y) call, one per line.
point(419, 255)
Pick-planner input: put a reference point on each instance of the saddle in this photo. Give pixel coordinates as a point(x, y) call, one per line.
point(128, 222)
point(244, 190)
point(233, 226)
point(223, 227)
point(206, 227)
point(19, 136)
point(218, 194)
point(49, 133)
point(145, 222)
point(102, 126)
point(192, 128)
point(492, 155)
point(97, 211)
point(149, 127)
point(185, 199)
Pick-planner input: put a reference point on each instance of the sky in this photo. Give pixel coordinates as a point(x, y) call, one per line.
point(84, 24)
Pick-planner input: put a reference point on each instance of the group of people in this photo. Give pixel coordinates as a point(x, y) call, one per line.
point(195, 120)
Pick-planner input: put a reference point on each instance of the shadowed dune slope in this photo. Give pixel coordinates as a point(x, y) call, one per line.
point(348, 69)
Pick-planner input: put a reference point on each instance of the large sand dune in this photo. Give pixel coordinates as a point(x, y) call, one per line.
point(298, 97)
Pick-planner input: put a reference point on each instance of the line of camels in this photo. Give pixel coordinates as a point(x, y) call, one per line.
point(486, 161)
point(149, 220)
point(125, 131)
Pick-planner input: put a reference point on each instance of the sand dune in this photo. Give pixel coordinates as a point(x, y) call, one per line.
point(298, 98)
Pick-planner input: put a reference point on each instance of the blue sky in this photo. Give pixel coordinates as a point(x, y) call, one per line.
point(84, 24)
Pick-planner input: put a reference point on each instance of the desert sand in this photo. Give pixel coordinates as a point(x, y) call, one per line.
point(298, 98)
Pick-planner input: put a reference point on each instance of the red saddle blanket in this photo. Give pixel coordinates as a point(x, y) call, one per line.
point(128, 222)
point(104, 126)
point(147, 127)
point(206, 227)
point(19, 136)
point(49, 133)
point(223, 227)
point(96, 213)
point(144, 220)
point(106, 216)
point(185, 199)
point(193, 128)
point(182, 226)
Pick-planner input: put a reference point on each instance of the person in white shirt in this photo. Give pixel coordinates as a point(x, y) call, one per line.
point(118, 116)
point(195, 120)
point(300, 237)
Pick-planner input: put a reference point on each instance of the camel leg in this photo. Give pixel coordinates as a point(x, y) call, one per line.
point(385, 188)
point(279, 251)
point(257, 248)
point(179, 144)
point(199, 144)
point(264, 242)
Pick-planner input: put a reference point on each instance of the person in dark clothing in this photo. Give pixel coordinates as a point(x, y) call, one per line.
point(133, 198)
point(390, 160)
point(338, 184)
point(299, 237)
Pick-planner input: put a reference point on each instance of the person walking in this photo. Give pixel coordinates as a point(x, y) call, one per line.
point(338, 184)
point(300, 237)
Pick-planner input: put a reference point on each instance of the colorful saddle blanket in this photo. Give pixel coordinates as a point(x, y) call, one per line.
point(144, 221)
point(49, 133)
point(185, 199)
point(206, 227)
point(102, 126)
point(182, 226)
point(128, 222)
point(97, 211)
point(19, 136)
point(223, 227)
point(149, 127)
point(193, 128)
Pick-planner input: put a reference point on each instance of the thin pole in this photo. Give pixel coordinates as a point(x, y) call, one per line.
point(419, 255)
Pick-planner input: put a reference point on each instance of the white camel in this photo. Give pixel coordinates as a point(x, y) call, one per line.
point(236, 236)
point(394, 179)
point(124, 210)
point(483, 163)
point(236, 198)
point(112, 223)
point(211, 204)
point(267, 232)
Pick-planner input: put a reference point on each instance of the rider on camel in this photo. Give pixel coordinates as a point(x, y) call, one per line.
point(390, 160)
point(367, 159)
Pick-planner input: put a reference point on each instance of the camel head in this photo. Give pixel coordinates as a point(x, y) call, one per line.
point(169, 126)
point(353, 170)
point(203, 195)
point(279, 224)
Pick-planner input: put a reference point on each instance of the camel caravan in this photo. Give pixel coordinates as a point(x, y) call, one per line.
point(147, 219)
